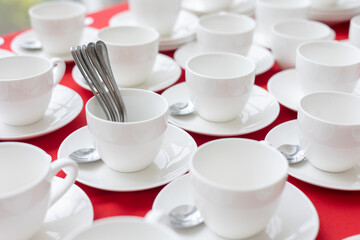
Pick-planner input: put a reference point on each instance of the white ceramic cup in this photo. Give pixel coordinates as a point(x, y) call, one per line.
point(219, 84)
point(26, 86)
point(236, 184)
point(327, 66)
point(329, 130)
point(354, 31)
point(58, 25)
point(268, 12)
point(26, 172)
point(159, 14)
point(225, 32)
point(132, 52)
point(287, 35)
point(323, 3)
point(132, 145)
point(134, 228)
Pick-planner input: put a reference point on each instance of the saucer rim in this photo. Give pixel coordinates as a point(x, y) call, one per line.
point(138, 188)
point(84, 196)
point(218, 134)
point(82, 82)
point(291, 124)
point(6, 53)
point(253, 45)
point(186, 177)
point(232, 8)
point(67, 59)
point(52, 129)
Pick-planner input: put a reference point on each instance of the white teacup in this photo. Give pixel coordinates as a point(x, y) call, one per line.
point(211, 6)
point(219, 84)
point(323, 3)
point(329, 130)
point(159, 14)
point(327, 66)
point(268, 12)
point(225, 32)
point(26, 172)
point(58, 25)
point(134, 228)
point(26, 86)
point(354, 31)
point(237, 184)
point(287, 35)
point(132, 52)
point(132, 145)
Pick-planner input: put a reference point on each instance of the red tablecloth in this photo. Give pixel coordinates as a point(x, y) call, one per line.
point(339, 211)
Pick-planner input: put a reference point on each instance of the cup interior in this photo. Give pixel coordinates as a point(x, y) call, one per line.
point(141, 105)
point(226, 23)
point(301, 29)
point(329, 53)
point(220, 65)
point(128, 35)
point(127, 227)
point(30, 67)
point(21, 167)
point(57, 10)
point(239, 164)
point(332, 107)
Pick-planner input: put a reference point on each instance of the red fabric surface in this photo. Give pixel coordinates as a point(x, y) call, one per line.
point(338, 210)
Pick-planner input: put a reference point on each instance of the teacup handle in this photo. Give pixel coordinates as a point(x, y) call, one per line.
point(56, 166)
point(59, 67)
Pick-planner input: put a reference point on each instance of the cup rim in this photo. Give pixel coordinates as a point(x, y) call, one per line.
point(303, 4)
point(252, 70)
point(87, 111)
point(80, 6)
point(275, 31)
point(26, 57)
point(156, 36)
point(239, 16)
point(328, 42)
point(38, 179)
point(279, 178)
point(306, 113)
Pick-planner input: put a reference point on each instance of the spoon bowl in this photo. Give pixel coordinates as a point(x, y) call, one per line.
point(185, 216)
point(85, 155)
point(293, 153)
point(181, 108)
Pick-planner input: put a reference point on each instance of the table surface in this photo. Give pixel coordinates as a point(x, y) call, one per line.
point(338, 211)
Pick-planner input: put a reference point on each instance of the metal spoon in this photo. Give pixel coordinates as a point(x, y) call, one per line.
point(293, 153)
point(85, 155)
point(181, 108)
point(185, 216)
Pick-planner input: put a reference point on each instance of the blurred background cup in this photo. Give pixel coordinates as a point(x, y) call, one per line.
point(287, 35)
point(26, 172)
point(327, 66)
point(354, 31)
point(58, 25)
point(219, 84)
point(237, 184)
point(159, 14)
point(26, 86)
point(134, 228)
point(132, 145)
point(225, 32)
point(323, 3)
point(329, 130)
point(268, 12)
point(132, 52)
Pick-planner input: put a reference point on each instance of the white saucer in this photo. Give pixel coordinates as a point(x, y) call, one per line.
point(355, 237)
point(171, 162)
point(295, 219)
point(5, 53)
point(288, 133)
point(70, 212)
point(262, 57)
point(260, 111)
point(286, 90)
point(65, 105)
point(165, 73)
point(1, 41)
point(90, 35)
point(343, 11)
point(246, 7)
point(184, 28)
